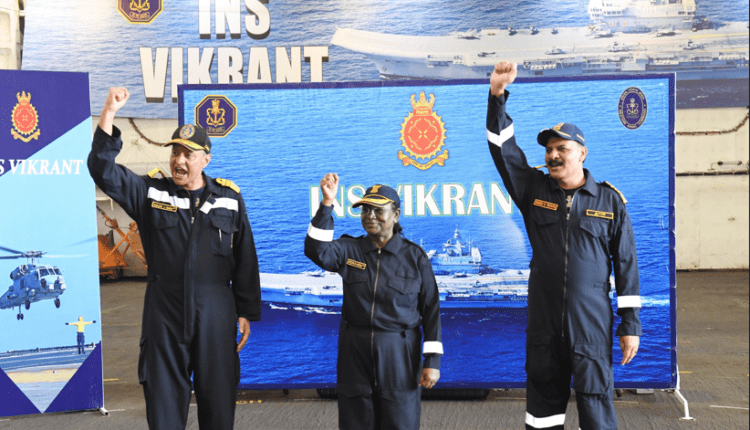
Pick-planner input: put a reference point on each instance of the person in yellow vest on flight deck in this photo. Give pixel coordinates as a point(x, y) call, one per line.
point(80, 324)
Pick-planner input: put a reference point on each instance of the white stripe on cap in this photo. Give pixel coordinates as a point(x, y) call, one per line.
point(499, 139)
point(629, 301)
point(432, 347)
point(545, 422)
point(165, 197)
point(221, 202)
point(319, 234)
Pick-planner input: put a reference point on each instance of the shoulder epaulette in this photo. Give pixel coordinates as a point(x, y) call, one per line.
point(421, 248)
point(410, 241)
point(229, 184)
point(153, 173)
point(618, 191)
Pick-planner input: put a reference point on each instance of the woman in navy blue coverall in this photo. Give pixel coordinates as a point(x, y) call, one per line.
point(389, 292)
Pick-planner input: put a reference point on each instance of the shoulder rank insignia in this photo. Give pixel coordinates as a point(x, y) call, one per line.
point(229, 184)
point(153, 173)
point(357, 264)
point(618, 191)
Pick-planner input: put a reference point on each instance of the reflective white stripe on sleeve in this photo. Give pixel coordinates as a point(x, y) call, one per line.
point(164, 197)
point(221, 202)
point(499, 139)
point(546, 422)
point(320, 234)
point(432, 347)
point(629, 301)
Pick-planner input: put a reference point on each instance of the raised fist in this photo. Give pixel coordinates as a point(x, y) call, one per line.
point(503, 75)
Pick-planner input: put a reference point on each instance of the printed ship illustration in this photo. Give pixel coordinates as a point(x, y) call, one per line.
point(463, 281)
point(626, 36)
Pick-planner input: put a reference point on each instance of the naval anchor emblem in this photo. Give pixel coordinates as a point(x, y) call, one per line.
point(217, 114)
point(423, 135)
point(632, 108)
point(25, 119)
point(139, 11)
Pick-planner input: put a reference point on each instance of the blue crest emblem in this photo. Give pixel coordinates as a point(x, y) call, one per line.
point(632, 108)
point(217, 114)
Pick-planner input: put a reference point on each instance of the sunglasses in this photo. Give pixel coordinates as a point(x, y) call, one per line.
point(379, 212)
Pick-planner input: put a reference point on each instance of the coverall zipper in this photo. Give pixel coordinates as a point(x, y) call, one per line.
point(565, 273)
point(372, 319)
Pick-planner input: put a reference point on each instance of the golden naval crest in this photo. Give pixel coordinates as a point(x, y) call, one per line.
point(423, 135)
point(215, 114)
point(25, 118)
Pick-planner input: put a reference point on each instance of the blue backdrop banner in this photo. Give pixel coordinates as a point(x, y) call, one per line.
point(427, 139)
point(152, 46)
point(50, 347)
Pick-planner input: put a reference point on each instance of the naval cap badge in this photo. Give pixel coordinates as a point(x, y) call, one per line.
point(187, 131)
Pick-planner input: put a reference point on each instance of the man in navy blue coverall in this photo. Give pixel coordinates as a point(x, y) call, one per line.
point(579, 231)
point(203, 278)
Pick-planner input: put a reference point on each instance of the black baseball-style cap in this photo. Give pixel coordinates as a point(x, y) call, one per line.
point(564, 130)
point(380, 196)
point(193, 137)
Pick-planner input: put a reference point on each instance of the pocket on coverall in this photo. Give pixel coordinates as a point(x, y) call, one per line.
point(406, 291)
point(591, 368)
point(539, 357)
point(225, 229)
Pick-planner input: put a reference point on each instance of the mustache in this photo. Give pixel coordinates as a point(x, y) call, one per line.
point(555, 163)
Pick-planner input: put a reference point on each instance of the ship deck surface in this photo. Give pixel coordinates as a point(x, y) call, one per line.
point(488, 46)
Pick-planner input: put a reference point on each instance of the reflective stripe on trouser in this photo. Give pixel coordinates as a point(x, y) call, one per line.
point(395, 362)
point(546, 401)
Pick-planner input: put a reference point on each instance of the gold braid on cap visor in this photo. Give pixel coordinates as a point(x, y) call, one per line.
point(375, 199)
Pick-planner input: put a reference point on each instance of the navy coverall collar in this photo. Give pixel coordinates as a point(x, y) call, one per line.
point(210, 187)
point(393, 246)
point(589, 185)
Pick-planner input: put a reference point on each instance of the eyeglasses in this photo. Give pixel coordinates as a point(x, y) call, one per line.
point(379, 212)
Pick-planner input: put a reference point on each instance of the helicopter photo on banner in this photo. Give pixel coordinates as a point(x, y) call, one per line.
point(50, 348)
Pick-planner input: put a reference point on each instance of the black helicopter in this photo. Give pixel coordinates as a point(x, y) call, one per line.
point(31, 282)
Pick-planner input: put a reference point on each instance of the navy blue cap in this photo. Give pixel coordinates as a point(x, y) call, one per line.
point(193, 137)
point(564, 130)
point(380, 196)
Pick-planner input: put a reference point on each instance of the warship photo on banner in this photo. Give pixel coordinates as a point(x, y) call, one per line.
point(624, 36)
point(428, 140)
point(462, 279)
point(165, 44)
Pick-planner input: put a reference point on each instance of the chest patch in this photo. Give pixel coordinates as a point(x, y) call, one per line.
point(163, 206)
point(546, 205)
point(600, 214)
point(356, 264)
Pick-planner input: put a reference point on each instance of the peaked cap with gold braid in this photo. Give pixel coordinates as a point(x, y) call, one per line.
point(192, 137)
point(380, 196)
